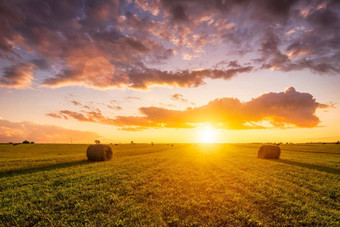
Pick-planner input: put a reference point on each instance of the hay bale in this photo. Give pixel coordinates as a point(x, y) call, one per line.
point(99, 152)
point(269, 152)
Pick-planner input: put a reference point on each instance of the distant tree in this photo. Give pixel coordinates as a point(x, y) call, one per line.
point(152, 143)
point(32, 142)
point(97, 141)
point(26, 142)
point(10, 143)
point(132, 143)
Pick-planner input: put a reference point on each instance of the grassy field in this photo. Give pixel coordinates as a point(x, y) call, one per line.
point(160, 185)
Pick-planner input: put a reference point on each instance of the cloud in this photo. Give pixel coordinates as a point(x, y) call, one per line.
point(55, 115)
point(141, 77)
point(91, 106)
point(108, 44)
point(180, 98)
point(17, 76)
point(281, 110)
point(92, 72)
point(149, 6)
point(20, 131)
point(131, 98)
point(301, 54)
point(9, 16)
point(76, 103)
point(114, 107)
point(86, 116)
point(144, 78)
point(133, 129)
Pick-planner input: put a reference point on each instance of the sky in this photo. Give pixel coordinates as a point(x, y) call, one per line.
point(169, 71)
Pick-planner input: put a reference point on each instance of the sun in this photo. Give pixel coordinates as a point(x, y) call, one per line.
point(207, 134)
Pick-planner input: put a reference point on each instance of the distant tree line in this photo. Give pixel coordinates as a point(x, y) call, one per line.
point(23, 142)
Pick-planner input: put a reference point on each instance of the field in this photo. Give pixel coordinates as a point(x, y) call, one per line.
point(160, 185)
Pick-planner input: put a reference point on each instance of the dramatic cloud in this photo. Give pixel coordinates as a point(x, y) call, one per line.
point(283, 109)
point(20, 131)
point(111, 43)
point(142, 77)
point(17, 76)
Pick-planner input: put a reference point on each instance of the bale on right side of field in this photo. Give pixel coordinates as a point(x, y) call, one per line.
point(269, 152)
point(99, 152)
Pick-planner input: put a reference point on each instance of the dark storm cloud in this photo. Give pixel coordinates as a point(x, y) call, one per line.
point(283, 109)
point(113, 43)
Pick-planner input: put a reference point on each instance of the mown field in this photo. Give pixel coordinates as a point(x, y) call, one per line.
point(160, 185)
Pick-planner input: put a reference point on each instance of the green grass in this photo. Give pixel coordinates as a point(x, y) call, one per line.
point(184, 185)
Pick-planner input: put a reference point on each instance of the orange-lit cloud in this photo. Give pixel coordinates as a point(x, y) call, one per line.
point(142, 78)
point(55, 115)
point(151, 6)
point(17, 76)
point(105, 44)
point(150, 77)
point(291, 31)
point(322, 5)
point(297, 53)
point(283, 109)
point(20, 131)
point(179, 97)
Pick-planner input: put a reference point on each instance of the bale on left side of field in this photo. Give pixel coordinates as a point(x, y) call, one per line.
point(269, 152)
point(99, 152)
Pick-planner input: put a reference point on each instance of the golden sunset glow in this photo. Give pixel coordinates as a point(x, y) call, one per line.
point(169, 112)
point(158, 70)
point(207, 134)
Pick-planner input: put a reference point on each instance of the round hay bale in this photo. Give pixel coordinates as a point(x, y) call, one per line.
point(269, 152)
point(99, 152)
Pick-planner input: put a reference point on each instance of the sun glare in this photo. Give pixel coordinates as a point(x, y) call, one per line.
point(207, 134)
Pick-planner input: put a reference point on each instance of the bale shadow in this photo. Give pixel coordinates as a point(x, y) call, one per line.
point(309, 166)
point(16, 172)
